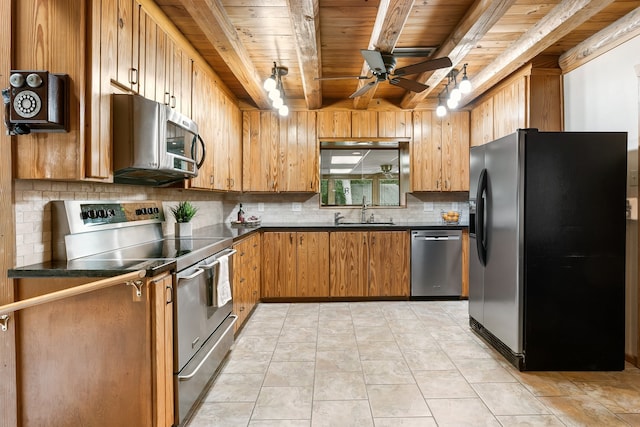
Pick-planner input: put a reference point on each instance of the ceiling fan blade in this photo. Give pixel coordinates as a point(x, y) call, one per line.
point(411, 85)
point(374, 60)
point(343, 78)
point(364, 89)
point(421, 67)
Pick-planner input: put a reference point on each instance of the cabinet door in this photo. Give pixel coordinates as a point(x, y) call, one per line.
point(425, 152)
point(241, 280)
point(162, 333)
point(260, 151)
point(364, 124)
point(455, 152)
point(482, 123)
point(147, 40)
point(312, 256)
point(127, 42)
point(279, 264)
point(334, 124)
point(510, 103)
point(299, 151)
point(388, 263)
point(202, 95)
point(349, 263)
point(235, 147)
point(394, 124)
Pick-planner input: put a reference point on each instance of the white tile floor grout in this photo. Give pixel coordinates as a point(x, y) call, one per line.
point(399, 363)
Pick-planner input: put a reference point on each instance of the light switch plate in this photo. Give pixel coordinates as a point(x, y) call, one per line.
point(296, 207)
point(633, 178)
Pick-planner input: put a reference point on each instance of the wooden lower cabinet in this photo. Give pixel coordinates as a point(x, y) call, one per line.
point(295, 264)
point(349, 261)
point(369, 264)
point(246, 277)
point(103, 358)
point(388, 264)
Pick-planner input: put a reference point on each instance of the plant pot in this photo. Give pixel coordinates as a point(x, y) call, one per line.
point(183, 229)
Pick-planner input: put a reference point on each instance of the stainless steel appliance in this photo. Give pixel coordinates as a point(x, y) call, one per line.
point(436, 263)
point(124, 234)
point(547, 248)
point(152, 143)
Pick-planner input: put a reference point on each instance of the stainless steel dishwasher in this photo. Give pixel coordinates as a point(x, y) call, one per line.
point(436, 263)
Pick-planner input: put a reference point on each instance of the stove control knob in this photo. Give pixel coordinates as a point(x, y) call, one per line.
point(84, 215)
point(92, 214)
point(150, 210)
point(156, 210)
point(138, 211)
point(144, 211)
point(111, 212)
point(102, 213)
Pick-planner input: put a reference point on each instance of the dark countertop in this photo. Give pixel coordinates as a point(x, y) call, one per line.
point(87, 267)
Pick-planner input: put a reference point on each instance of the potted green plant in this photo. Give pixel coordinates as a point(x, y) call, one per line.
point(183, 213)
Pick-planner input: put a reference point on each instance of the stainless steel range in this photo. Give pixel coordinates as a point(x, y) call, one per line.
point(125, 235)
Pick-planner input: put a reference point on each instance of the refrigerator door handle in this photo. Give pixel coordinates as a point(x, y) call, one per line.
point(480, 219)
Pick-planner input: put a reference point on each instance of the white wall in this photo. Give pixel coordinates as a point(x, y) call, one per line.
point(604, 95)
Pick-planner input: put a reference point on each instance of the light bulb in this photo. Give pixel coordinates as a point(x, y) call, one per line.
point(274, 94)
point(269, 84)
point(441, 111)
point(278, 102)
point(452, 103)
point(284, 110)
point(465, 85)
point(455, 95)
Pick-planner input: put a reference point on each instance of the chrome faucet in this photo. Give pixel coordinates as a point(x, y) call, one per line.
point(337, 217)
point(363, 218)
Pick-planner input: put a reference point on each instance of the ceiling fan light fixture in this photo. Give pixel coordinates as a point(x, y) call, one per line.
point(270, 83)
point(456, 94)
point(278, 102)
point(452, 103)
point(283, 111)
point(273, 85)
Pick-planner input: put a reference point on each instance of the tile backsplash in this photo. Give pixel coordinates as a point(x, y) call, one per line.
point(33, 210)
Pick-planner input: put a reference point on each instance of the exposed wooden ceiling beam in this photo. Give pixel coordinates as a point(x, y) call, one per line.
point(474, 25)
point(615, 34)
point(214, 22)
point(560, 21)
point(392, 15)
point(305, 16)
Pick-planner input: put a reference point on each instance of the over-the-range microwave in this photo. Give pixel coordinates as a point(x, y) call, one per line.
point(152, 143)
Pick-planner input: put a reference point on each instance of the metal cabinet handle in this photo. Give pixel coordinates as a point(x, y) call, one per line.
point(173, 101)
point(169, 294)
point(133, 76)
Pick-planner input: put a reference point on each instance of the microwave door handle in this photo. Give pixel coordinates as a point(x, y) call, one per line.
point(193, 152)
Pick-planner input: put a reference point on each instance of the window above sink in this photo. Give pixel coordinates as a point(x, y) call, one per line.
point(375, 170)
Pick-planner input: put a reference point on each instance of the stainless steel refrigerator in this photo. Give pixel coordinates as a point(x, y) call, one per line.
point(547, 248)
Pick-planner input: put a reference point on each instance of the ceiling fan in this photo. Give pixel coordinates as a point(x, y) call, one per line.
point(382, 66)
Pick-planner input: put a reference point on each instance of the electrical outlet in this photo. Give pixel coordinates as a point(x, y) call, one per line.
point(260, 207)
point(633, 178)
point(427, 207)
point(296, 207)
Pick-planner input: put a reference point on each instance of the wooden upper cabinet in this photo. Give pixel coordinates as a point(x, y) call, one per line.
point(299, 150)
point(388, 263)
point(395, 124)
point(364, 124)
point(440, 152)
point(280, 153)
point(531, 98)
point(334, 124)
point(127, 32)
point(219, 125)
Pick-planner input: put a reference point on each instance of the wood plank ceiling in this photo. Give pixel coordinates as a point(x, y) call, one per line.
point(241, 39)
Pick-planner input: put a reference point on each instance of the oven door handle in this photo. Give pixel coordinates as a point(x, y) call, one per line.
point(213, 347)
point(198, 272)
point(213, 264)
point(210, 284)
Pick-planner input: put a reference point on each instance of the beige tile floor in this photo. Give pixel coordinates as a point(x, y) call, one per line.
point(397, 364)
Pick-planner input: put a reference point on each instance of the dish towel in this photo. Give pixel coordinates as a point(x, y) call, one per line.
point(224, 286)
